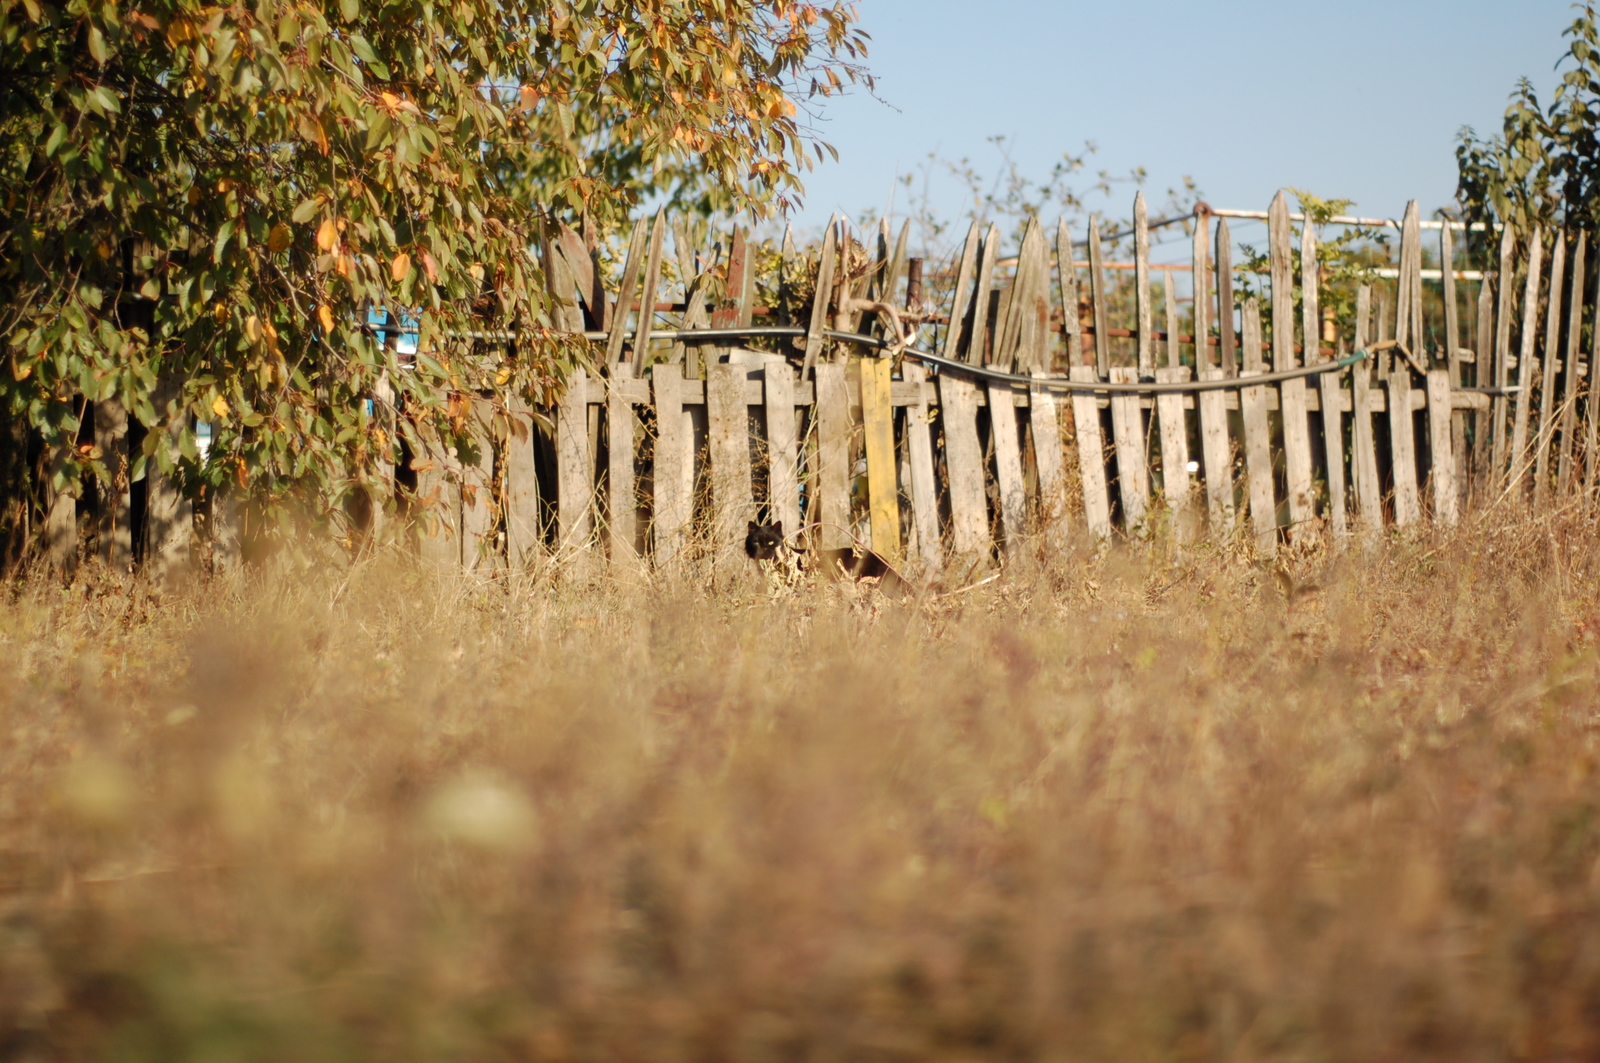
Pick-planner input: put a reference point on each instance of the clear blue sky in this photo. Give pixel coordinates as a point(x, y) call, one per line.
point(1351, 98)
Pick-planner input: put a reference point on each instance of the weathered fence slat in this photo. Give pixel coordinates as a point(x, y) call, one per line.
point(671, 486)
point(1091, 455)
point(819, 301)
point(1257, 438)
point(969, 518)
point(1291, 393)
point(727, 417)
point(622, 518)
point(1227, 347)
point(883, 470)
point(1097, 295)
point(1072, 324)
point(1402, 443)
point(1141, 275)
point(833, 456)
point(1526, 366)
point(1569, 368)
point(574, 463)
point(1546, 378)
point(1008, 464)
point(1501, 426)
point(1441, 451)
point(924, 488)
point(1216, 452)
point(1127, 427)
point(783, 474)
point(1045, 428)
point(625, 293)
point(1174, 445)
point(957, 328)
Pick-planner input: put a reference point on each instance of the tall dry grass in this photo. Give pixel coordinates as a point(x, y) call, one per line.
point(1129, 807)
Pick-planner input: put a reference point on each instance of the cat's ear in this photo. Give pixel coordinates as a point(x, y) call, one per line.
point(778, 528)
point(754, 527)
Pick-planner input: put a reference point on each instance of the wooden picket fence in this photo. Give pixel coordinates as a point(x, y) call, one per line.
point(1019, 409)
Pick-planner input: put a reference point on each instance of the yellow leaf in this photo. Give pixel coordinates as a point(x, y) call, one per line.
point(400, 268)
point(502, 376)
point(529, 98)
point(194, 197)
point(390, 100)
point(327, 234)
point(224, 186)
point(280, 238)
point(220, 406)
point(325, 315)
point(220, 312)
point(252, 328)
point(343, 265)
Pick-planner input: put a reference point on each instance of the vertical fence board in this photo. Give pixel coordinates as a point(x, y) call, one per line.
point(1257, 438)
point(621, 443)
point(833, 457)
point(988, 260)
point(819, 301)
point(1091, 454)
point(1071, 322)
point(1500, 413)
point(1045, 427)
point(1591, 446)
point(1441, 447)
point(438, 489)
point(1217, 453)
point(924, 488)
point(783, 473)
point(647, 293)
point(1133, 470)
point(1332, 397)
point(1141, 282)
point(574, 462)
point(625, 289)
point(1097, 296)
point(1526, 364)
point(477, 493)
point(670, 511)
point(1227, 337)
point(1174, 446)
point(969, 518)
point(521, 488)
point(1291, 393)
point(883, 470)
point(954, 331)
point(1569, 368)
point(1364, 454)
point(169, 516)
point(1545, 428)
point(728, 421)
point(1402, 445)
point(1008, 464)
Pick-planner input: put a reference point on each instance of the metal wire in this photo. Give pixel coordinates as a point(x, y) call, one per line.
point(1059, 384)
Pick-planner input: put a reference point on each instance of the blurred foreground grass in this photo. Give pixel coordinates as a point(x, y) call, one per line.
point(1120, 808)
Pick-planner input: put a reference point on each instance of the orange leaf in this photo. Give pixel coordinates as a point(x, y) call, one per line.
point(327, 234)
point(528, 98)
point(400, 267)
point(325, 315)
point(430, 267)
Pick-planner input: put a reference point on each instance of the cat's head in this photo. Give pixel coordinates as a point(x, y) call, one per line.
point(763, 541)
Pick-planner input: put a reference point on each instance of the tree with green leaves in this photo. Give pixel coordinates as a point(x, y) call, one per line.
point(217, 195)
point(1544, 166)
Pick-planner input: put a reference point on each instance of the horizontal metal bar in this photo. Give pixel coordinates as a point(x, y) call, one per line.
point(1346, 219)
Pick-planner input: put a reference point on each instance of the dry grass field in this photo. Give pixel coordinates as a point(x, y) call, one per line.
point(1138, 806)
